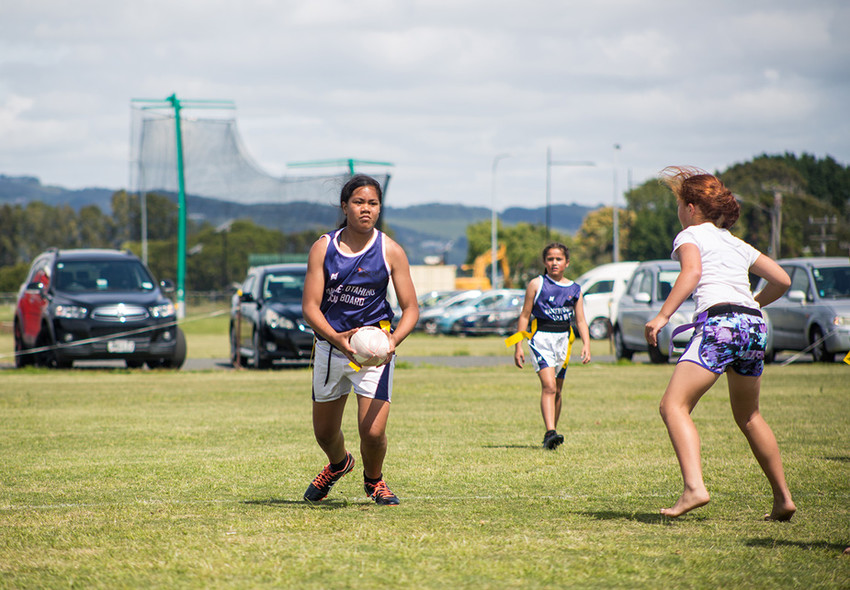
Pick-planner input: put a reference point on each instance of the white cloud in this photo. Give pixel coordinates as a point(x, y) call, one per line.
point(438, 87)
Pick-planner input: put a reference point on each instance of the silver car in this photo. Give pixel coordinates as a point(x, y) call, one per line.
point(645, 294)
point(815, 311)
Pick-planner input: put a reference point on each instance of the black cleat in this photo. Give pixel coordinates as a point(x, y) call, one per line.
point(552, 439)
point(380, 493)
point(323, 482)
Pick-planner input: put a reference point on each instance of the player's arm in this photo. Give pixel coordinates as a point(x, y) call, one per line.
point(311, 301)
point(777, 279)
point(685, 284)
point(405, 292)
point(524, 319)
point(583, 332)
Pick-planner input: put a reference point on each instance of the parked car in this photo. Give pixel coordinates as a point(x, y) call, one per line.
point(601, 287)
point(452, 319)
point(266, 321)
point(95, 305)
point(428, 317)
point(501, 318)
point(814, 312)
point(645, 294)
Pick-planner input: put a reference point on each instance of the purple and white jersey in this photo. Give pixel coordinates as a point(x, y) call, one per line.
point(355, 292)
point(555, 302)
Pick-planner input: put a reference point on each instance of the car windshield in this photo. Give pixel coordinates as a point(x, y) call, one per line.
point(102, 275)
point(285, 287)
point(832, 282)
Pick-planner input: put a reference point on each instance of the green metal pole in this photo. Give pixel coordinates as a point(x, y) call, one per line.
point(181, 213)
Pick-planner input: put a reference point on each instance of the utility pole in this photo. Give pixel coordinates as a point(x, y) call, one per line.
point(823, 238)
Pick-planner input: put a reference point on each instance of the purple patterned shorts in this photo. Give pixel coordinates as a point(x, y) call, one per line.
point(732, 340)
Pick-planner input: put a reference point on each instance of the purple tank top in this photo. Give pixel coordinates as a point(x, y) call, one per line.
point(355, 293)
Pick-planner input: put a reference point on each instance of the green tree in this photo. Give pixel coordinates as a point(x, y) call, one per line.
point(595, 238)
point(652, 222)
point(524, 243)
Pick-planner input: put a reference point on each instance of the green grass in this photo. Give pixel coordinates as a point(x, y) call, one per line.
point(194, 479)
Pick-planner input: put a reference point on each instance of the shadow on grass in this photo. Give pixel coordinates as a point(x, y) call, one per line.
point(840, 459)
point(512, 446)
point(327, 504)
point(644, 517)
point(771, 543)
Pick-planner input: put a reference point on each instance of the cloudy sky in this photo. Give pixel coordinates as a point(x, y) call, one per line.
point(440, 88)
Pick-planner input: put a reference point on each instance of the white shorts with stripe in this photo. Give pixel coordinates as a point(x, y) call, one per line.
point(550, 349)
point(334, 377)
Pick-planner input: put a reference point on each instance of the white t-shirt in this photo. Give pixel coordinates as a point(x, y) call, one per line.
point(726, 261)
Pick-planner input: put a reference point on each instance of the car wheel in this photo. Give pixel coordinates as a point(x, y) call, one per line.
point(45, 357)
point(134, 364)
point(179, 357)
point(22, 359)
point(656, 356)
point(819, 352)
point(620, 349)
point(598, 328)
point(259, 361)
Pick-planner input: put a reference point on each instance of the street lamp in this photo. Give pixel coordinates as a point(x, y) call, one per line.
point(493, 246)
point(549, 164)
point(616, 221)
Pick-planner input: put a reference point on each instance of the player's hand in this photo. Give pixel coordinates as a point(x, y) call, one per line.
point(652, 328)
point(585, 354)
point(519, 357)
point(342, 343)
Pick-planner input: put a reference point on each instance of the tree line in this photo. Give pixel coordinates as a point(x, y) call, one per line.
point(815, 219)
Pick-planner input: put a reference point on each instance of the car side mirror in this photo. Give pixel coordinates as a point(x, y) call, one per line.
point(167, 286)
point(34, 287)
point(642, 298)
point(246, 297)
point(797, 296)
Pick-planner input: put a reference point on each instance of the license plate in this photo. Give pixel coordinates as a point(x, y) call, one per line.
point(120, 346)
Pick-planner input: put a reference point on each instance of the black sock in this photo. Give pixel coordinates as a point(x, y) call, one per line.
point(369, 480)
point(340, 465)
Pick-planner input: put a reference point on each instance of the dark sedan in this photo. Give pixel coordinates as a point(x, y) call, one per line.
point(266, 322)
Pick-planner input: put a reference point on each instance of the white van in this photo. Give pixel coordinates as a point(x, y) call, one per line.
point(601, 288)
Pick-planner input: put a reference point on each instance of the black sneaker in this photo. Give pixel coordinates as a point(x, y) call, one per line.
point(323, 482)
point(552, 439)
point(380, 493)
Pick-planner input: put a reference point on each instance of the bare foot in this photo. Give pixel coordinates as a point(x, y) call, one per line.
point(781, 511)
point(687, 502)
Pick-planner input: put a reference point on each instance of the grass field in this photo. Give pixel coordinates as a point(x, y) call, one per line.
point(117, 478)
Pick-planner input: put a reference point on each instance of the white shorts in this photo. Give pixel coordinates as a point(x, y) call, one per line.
point(550, 349)
point(334, 377)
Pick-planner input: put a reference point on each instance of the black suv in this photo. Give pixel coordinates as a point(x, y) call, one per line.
point(266, 323)
point(94, 305)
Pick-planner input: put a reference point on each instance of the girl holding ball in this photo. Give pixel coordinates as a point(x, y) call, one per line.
point(348, 271)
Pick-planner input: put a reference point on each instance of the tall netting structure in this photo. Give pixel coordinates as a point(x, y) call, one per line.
point(194, 147)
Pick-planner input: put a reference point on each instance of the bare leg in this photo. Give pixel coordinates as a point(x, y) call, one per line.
point(687, 385)
point(744, 397)
point(327, 426)
point(372, 419)
point(550, 399)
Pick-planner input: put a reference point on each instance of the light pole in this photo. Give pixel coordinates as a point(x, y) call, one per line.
point(493, 245)
point(616, 221)
point(549, 164)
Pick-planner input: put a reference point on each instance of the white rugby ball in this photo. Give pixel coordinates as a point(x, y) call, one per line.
point(371, 346)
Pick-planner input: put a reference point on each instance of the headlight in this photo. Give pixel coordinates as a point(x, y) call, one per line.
point(275, 320)
point(163, 311)
point(71, 312)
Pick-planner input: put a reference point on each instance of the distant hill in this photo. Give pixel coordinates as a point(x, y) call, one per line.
point(428, 229)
